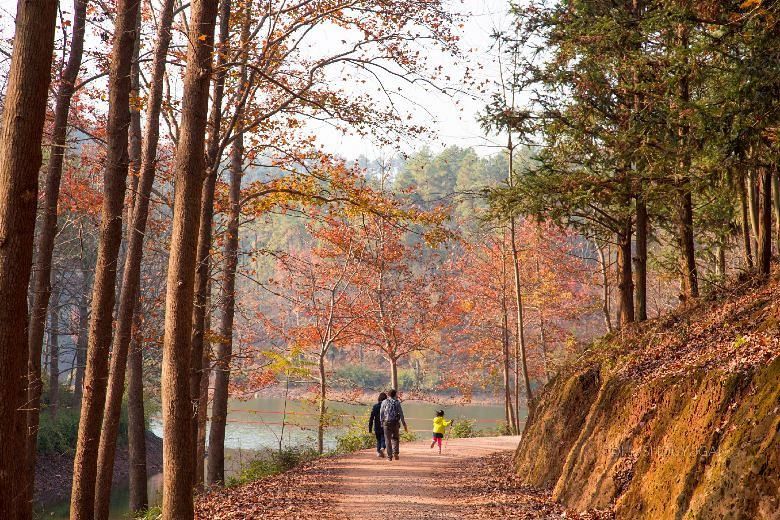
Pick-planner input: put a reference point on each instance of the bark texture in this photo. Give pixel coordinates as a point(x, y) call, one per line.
point(188, 178)
point(224, 354)
point(689, 272)
point(110, 237)
point(54, 352)
point(322, 404)
point(394, 373)
point(136, 431)
point(136, 428)
point(21, 131)
point(200, 455)
point(752, 200)
point(81, 342)
point(765, 221)
point(41, 286)
point(640, 259)
point(776, 203)
point(142, 153)
point(520, 355)
point(511, 417)
point(745, 225)
point(604, 261)
point(625, 279)
point(202, 275)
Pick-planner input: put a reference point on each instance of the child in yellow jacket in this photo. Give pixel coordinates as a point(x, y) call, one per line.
point(439, 427)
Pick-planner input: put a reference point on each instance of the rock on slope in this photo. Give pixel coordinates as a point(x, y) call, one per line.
point(678, 419)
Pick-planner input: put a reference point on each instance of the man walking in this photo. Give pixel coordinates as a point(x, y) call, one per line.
point(392, 417)
point(376, 425)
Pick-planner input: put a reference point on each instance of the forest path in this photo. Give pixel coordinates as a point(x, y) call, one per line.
point(419, 485)
point(473, 479)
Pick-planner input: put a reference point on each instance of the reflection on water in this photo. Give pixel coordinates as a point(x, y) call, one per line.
point(262, 423)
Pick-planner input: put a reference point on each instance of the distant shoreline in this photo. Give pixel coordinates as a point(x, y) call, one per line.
point(305, 392)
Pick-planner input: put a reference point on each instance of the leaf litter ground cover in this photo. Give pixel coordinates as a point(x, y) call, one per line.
point(735, 330)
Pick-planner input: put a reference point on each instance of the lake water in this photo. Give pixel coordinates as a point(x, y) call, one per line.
point(260, 423)
point(257, 424)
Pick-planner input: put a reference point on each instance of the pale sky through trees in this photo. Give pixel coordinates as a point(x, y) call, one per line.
point(452, 119)
point(451, 123)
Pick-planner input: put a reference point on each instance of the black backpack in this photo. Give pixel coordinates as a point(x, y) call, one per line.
point(393, 410)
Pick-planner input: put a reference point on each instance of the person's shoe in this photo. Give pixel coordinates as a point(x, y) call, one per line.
point(396, 456)
point(381, 454)
point(390, 457)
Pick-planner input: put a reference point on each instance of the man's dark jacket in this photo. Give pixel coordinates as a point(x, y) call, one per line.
point(374, 424)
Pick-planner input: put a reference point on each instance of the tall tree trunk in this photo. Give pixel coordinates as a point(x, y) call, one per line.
point(322, 404)
point(128, 295)
point(188, 179)
point(542, 332)
point(752, 199)
point(54, 351)
point(640, 259)
point(134, 139)
point(625, 279)
point(519, 360)
point(393, 372)
point(745, 225)
point(144, 154)
point(81, 342)
point(41, 287)
point(21, 131)
point(213, 160)
point(82, 501)
point(520, 333)
point(136, 427)
point(720, 260)
point(690, 280)
point(765, 221)
point(72, 370)
point(776, 203)
point(200, 456)
point(543, 345)
point(604, 261)
point(511, 422)
point(224, 354)
point(127, 313)
point(508, 403)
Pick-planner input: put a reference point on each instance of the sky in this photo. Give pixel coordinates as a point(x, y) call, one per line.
point(451, 118)
point(450, 123)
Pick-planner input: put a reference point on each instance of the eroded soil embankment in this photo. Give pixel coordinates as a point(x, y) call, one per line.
point(679, 420)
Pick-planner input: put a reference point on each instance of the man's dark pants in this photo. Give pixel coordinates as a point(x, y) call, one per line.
point(392, 436)
point(380, 439)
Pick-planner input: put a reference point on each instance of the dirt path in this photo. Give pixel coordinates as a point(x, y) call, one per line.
point(416, 486)
point(474, 479)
